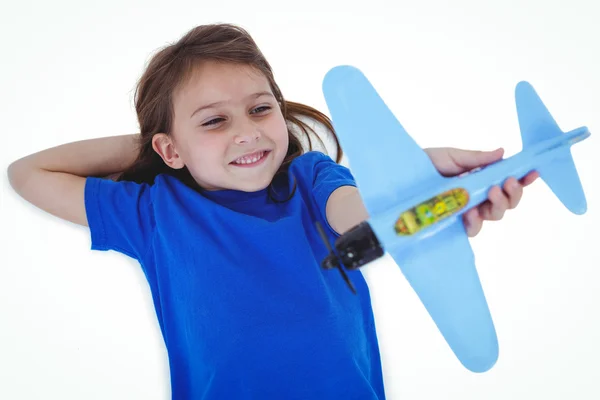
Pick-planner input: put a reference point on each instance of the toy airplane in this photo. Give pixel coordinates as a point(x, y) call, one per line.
point(415, 213)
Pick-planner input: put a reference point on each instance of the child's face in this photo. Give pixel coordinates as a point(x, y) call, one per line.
point(228, 129)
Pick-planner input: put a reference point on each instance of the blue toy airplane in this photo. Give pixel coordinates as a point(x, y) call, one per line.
point(415, 213)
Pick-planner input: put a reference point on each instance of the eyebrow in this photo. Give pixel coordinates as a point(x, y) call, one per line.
point(252, 96)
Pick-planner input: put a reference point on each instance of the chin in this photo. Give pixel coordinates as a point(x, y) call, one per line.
point(252, 186)
point(257, 178)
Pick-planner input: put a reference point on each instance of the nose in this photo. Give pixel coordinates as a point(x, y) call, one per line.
point(247, 133)
point(248, 137)
point(243, 139)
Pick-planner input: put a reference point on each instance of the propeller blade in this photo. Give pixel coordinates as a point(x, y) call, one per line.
point(333, 255)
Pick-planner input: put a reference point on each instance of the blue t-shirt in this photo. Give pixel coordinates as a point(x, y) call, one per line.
point(245, 309)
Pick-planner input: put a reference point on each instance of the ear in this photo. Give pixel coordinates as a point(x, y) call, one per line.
point(164, 146)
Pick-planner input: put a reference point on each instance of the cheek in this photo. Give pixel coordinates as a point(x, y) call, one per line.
point(277, 129)
point(208, 150)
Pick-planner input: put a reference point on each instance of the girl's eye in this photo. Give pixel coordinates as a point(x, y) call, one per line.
point(257, 110)
point(260, 109)
point(213, 121)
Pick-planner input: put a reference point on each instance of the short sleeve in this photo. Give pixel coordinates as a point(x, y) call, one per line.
point(328, 176)
point(119, 216)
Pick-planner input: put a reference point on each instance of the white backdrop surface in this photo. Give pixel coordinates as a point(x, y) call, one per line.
point(77, 324)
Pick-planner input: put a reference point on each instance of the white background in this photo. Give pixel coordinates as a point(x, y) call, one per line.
point(77, 324)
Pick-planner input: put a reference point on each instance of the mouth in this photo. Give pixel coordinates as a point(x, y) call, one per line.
point(251, 160)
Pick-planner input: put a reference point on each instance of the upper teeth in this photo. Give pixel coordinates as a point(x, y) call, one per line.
point(250, 159)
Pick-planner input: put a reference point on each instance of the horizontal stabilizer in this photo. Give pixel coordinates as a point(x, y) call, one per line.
point(562, 178)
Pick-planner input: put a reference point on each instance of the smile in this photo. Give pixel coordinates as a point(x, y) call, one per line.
point(251, 160)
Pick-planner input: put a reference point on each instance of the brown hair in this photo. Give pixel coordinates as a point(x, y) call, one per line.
point(169, 68)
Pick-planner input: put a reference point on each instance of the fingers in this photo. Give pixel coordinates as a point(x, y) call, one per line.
point(499, 200)
point(507, 198)
point(529, 178)
point(473, 222)
point(469, 159)
point(514, 191)
point(494, 208)
point(450, 161)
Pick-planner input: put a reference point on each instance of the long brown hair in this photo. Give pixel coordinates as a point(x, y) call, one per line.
point(169, 67)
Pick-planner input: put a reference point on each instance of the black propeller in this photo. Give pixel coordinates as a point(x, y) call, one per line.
point(332, 260)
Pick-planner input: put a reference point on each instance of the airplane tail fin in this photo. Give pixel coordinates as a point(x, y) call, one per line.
point(537, 124)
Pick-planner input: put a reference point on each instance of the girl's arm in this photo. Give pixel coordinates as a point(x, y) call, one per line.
point(345, 209)
point(54, 179)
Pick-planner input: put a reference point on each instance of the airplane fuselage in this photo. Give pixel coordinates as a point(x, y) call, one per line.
point(434, 208)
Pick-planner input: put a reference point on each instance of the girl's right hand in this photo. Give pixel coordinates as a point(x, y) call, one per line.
point(54, 179)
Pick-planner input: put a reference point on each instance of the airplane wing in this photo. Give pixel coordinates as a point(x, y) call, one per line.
point(441, 270)
point(388, 165)
point(383, 158)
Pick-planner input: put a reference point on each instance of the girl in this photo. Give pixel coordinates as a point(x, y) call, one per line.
point(217, 199)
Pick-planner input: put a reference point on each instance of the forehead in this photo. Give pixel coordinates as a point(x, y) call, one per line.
point(212, 81)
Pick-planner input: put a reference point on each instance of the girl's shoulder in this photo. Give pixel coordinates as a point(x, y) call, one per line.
point(122, 214)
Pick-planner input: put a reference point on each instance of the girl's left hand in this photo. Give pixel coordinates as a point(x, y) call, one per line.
point(451, 161)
